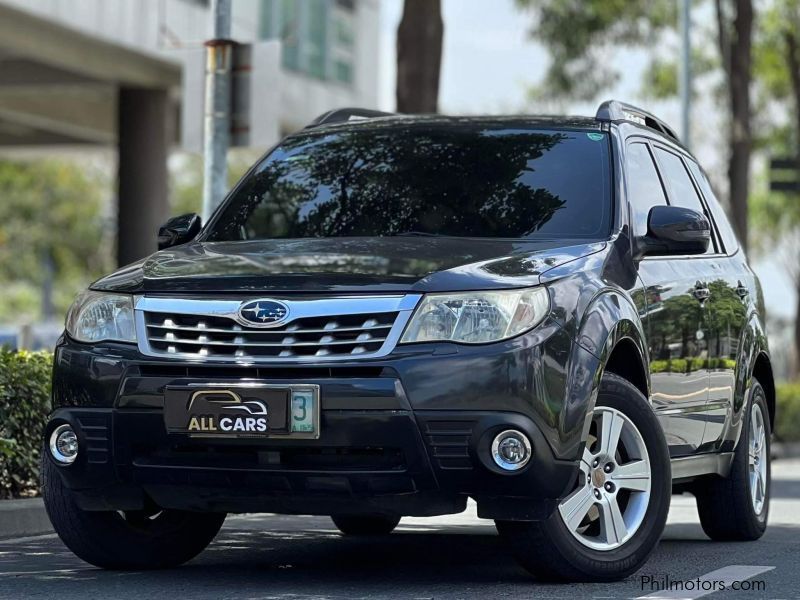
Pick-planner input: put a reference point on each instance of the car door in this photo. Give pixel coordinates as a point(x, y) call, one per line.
point(675, 317)
point(728, 307)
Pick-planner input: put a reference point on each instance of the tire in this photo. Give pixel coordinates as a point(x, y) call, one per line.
point(125, 541)
point(596, 547)
point(365, 524)
point(725, 505)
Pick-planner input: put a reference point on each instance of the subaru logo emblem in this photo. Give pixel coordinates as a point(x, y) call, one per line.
point(263, 313)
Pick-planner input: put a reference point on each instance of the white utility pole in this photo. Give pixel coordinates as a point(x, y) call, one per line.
point(217, 125)
point(685, 83)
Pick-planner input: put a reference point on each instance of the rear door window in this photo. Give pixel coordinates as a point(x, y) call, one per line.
point(729, 239)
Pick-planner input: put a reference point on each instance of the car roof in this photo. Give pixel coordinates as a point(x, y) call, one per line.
point(391, 120)
point(610, 112)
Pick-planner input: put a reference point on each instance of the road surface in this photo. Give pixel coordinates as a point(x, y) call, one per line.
point(460, 556)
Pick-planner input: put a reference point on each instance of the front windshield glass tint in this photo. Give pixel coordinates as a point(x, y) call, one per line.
point(425, 179)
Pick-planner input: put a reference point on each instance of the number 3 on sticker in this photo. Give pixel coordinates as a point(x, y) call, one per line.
point(302, 411)
point(299, 408)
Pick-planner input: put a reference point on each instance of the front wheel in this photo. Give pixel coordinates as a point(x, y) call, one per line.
point(607, 526)
point(154, 539)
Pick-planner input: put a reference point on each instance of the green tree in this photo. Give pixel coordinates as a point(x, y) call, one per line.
point(580, 34)
point(52, 236)
point(777, 63)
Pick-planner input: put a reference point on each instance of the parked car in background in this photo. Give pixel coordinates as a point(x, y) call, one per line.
point(391, 314)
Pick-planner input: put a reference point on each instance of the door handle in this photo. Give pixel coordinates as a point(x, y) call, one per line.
point(742, 291)
point(701, 292)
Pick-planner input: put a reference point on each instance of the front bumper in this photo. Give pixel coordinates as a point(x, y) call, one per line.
point(409, 434)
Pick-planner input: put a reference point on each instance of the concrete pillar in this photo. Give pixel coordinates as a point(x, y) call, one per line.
point(142, 171)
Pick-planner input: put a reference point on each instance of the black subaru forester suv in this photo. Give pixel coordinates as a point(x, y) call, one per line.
point(389, 315)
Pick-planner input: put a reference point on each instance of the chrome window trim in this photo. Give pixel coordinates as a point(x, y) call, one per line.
point(403, 304)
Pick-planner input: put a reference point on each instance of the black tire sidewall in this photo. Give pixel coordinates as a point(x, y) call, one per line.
point(365, 524)
point(104, 539)
point(741, 457)
point(621, 395)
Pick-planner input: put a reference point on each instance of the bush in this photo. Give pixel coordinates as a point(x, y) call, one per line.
point(696, 364)
point(678, 365)
point(24, 406)
point(787, 422)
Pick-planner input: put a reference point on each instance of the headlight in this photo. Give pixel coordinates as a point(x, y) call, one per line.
point(477, 317)
point(96, 316)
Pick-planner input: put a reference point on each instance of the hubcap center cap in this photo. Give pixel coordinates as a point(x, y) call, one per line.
point(598, 478)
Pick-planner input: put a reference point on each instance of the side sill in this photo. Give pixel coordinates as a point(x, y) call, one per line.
point(688, 467)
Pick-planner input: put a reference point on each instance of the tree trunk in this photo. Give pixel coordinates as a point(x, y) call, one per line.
point(738, 45)
point(419, 56)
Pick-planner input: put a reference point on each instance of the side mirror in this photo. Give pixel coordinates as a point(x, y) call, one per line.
point(179, 230)
point(675, 230)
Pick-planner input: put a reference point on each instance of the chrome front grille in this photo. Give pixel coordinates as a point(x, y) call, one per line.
point(318, 329)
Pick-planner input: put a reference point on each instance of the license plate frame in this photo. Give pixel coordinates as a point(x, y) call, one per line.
point(302, 400)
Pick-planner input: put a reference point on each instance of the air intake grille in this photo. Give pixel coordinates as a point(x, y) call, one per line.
point(201, 336)
point(449, 443)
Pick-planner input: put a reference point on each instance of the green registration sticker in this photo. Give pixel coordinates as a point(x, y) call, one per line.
point(302, 411)
point(595, 137)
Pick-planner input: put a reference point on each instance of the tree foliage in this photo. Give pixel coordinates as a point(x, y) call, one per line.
point(582, 34)
point(777, 64)
point(51, 212)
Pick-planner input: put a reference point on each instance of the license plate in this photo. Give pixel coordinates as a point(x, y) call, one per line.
point(246, 410)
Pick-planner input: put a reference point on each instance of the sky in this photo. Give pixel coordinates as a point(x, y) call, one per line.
point(489, 63)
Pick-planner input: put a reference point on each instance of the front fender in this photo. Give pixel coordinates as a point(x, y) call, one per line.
point(610, 318)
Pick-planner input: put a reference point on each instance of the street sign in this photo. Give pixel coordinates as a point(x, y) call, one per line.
point(784, 175)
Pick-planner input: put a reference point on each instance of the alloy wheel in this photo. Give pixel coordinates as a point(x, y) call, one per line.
point(611, 498)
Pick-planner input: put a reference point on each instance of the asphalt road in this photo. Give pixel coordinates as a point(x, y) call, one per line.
point(268, 556)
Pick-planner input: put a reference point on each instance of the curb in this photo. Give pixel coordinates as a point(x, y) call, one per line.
point(23, 518)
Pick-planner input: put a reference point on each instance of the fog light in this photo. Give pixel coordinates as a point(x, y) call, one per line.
point(64, 444)
point(511, 450)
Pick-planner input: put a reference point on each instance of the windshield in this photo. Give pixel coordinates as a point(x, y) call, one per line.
point(467, 180)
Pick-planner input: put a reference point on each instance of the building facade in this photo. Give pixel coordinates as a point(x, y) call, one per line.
point(117, 73)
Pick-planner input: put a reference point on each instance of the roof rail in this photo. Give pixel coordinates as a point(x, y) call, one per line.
point(342, 115)
point(614, 110)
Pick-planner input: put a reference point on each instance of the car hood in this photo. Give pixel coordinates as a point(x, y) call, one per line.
point(346, 265)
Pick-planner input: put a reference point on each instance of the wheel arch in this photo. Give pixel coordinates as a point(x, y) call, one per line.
point(626, 360)
point(753, 360)
point(611, 338)
point(762, 371)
